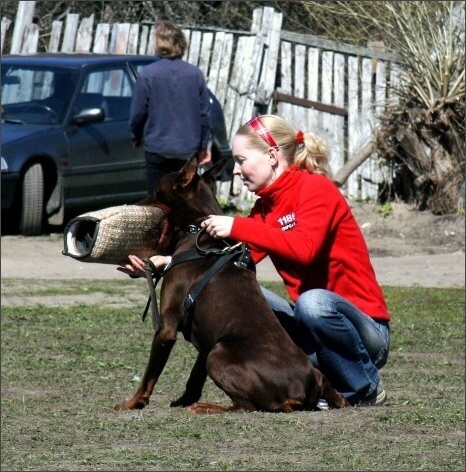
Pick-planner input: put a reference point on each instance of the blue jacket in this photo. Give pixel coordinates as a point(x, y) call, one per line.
point(170, 109)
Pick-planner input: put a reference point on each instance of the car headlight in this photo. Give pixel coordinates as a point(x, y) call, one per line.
point(4, 165)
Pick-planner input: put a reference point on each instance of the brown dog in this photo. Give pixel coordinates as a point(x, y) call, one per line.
point(241, 344)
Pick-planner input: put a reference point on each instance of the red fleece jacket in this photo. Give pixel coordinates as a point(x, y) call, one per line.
point(306, 227)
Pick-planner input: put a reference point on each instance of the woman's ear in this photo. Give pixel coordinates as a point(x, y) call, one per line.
point(273, 156)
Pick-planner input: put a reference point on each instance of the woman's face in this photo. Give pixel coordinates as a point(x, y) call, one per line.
point(253, 166)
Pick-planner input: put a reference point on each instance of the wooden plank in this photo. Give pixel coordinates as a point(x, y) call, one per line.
point(6, 22)
point(31, 39)
point(393, 84)
point(69, 37)
point(55, 34)
point(232, 92)
point(133, 39)
point(194, 47)
point(354, 132)
point(325, 129)
point(368, 190)
point(256, 20)
point(268, 78)
point(23, 19)
point(102, 33)
point(143, 39)
point(367, 114)
point(298, 120)
point(214, 71)
point(284, 108)
point(248, 82)
point(230, 101)
point(312, 88)
point(380, 87)
point(303, 102)
point(329, 45)
point(224, 72)
point(151, 42)
point(204, 58)
point(119, 39)
point(84, 35)
point(269, 27)
point(337, 152)
point(187, 34)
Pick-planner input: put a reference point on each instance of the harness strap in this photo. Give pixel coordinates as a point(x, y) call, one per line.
point(187, 318)
point(183, 257)
point(151, 274)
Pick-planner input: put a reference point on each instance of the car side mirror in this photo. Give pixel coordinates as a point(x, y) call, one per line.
point(89, 115)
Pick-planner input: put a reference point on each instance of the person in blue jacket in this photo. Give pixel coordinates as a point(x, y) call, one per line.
point(170, 108)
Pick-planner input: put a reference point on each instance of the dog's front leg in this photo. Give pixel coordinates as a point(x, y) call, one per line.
point(194, 384)
point(162, 345)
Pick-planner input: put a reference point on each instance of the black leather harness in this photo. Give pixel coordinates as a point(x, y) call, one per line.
point(238, 253)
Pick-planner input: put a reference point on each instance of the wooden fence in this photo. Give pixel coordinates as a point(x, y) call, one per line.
point(333, 90)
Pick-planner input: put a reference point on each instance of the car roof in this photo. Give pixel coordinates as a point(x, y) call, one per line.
point(73, 60)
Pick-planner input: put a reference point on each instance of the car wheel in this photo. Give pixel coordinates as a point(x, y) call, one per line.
point(32, 203)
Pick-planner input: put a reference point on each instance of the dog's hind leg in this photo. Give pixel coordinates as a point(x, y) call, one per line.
point(327, 392)
point(162, 345)
point(194, 385)
point(209, 408)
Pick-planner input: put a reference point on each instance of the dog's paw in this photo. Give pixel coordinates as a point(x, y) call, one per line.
point(131, 405)
point(181, 403)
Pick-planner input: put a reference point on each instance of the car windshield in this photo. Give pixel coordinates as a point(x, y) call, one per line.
point(36, 95)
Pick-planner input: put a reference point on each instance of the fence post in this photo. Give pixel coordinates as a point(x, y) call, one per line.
point(24, 17)
point(69, 36)
point(55, 36)
point(6, 22)
point(31, 39)
point(84, 36)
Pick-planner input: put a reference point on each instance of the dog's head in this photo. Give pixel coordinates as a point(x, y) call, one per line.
point(188, 195)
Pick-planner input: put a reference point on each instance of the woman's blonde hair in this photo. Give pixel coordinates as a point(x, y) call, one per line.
point(310, 154)
point(170, 40)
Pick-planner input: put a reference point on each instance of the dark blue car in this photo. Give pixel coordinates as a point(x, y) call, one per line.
point(65, 137)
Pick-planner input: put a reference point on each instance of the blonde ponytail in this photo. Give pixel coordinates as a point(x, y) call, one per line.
point(313, 155)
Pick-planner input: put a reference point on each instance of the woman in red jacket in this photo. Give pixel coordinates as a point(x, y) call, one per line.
point(338, 314)
point(304, 224)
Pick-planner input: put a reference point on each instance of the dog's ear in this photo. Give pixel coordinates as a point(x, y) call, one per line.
point(210, 175)
point(189, 170)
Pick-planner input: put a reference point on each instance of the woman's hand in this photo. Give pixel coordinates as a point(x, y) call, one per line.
point(218, 226)
point(137, 267)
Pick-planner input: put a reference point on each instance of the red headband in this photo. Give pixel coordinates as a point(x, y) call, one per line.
point(258, 126)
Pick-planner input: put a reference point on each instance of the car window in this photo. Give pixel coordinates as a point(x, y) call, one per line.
point(36, 94)
point(113, 87)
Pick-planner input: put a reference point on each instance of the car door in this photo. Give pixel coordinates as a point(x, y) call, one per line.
point(103, 166)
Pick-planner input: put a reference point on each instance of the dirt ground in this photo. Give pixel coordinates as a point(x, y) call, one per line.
point(407, 248)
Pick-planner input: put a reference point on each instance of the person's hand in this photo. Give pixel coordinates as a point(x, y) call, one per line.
point(205, 156)
point(218, 226)
point(137, 267)
point(136, 144)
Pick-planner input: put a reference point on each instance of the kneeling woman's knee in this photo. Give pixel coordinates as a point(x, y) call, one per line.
point(311, 306)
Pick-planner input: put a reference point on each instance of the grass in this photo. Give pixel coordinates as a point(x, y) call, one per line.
point(64, 367)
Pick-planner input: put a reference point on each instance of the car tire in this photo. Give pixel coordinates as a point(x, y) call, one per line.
point(32, 202)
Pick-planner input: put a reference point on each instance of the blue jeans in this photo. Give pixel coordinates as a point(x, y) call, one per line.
point(346, 345)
